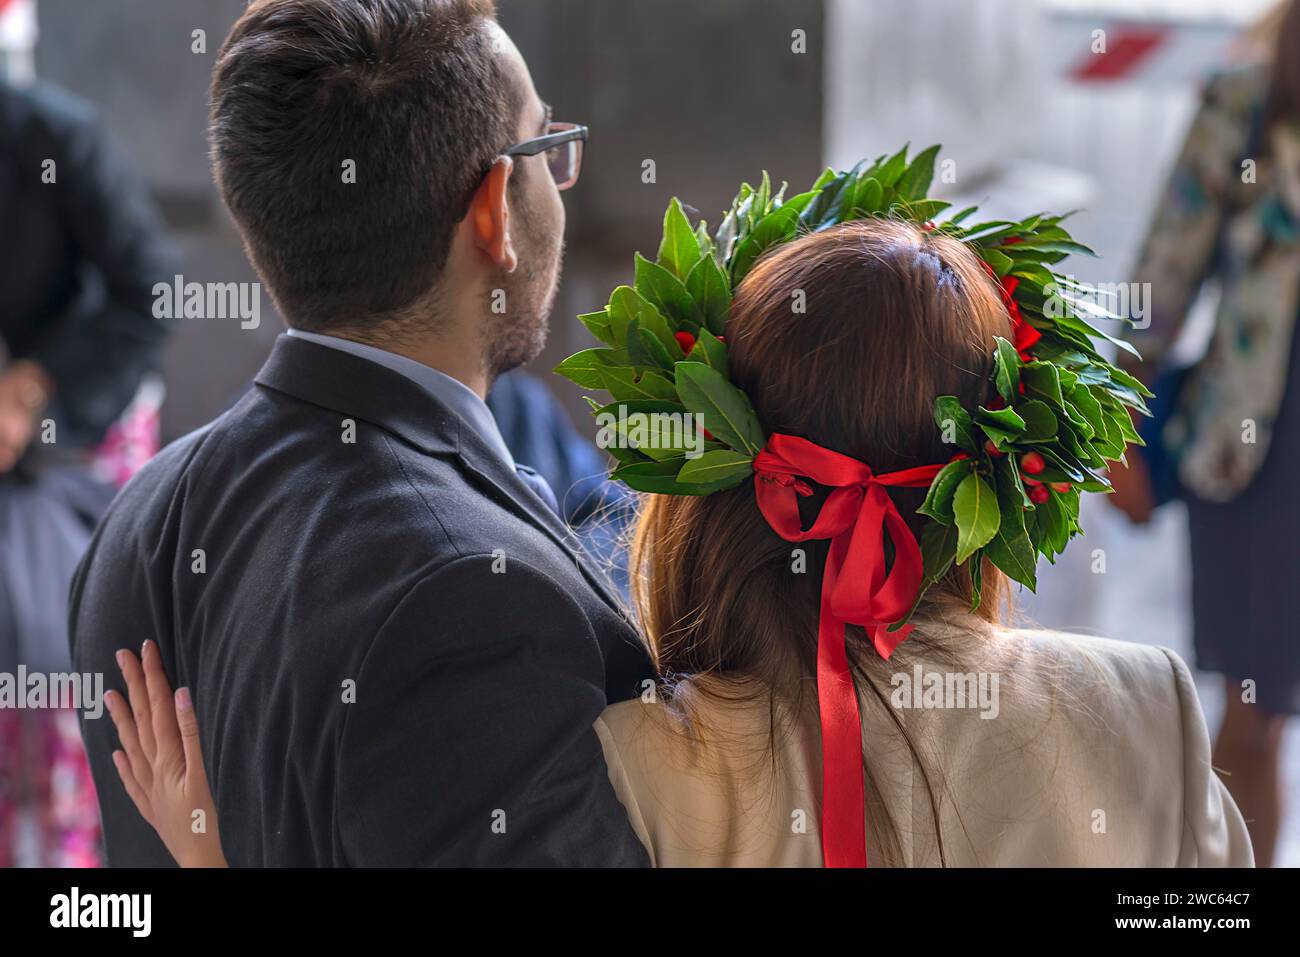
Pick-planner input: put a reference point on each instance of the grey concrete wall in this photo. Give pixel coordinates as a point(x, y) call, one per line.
point(711, 91)
point(133, 59)
point(708, 89)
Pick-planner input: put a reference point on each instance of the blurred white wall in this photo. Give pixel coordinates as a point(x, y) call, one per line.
point(955, 72)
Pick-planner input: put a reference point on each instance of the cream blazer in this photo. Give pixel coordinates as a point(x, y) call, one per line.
point(1093, 753)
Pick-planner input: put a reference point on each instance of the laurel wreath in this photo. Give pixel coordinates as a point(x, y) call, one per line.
point(1013, 495)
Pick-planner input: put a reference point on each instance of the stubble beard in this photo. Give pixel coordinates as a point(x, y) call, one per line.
point(516, 336)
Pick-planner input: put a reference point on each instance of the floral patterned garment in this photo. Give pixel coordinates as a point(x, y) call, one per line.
point(44, 774)
point(1213, 223)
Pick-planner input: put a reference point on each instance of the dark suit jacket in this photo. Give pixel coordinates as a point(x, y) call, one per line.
point(79, 258)
point(394, 655)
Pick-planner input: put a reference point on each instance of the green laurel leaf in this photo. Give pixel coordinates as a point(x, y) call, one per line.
point(666, 293)
point(597, 324)
point(938, 499)
point(645, 349)
point(710, 350)
point(725, 410)
point(584, 368)
point(893, 169)
point(618, 429)
point(955, 423)
point(679, 250)
point(661, 478)
point(627, 384)
point(777, 227)
point(915, 183)
point(1010, 548)
point(717, 466)
point(1006, 370)
point(627, 305)
point(975, 508)
point(1040, 423)
point(708, 286)
point(938, 550)
point(1001, 425)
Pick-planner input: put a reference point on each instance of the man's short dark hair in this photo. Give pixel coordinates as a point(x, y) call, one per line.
point(411, 91)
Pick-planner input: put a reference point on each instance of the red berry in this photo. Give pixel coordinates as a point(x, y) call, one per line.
point(1032, 463)
point(992, 449)
point(1061, 487)
point(1028, 481)
point(685, 340)
point(1039, 494)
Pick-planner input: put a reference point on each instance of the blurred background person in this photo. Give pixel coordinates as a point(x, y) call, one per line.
point(1228, 439)
point(80, 252)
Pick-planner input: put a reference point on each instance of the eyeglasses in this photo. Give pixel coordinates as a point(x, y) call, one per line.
point(562, 145)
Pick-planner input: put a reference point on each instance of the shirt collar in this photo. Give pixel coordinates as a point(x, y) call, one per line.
point(453, 393)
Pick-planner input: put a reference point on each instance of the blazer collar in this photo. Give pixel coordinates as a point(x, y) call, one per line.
point(357, 388)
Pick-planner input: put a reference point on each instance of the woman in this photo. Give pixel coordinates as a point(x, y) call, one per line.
point(1231, 216)
point(1068, 751)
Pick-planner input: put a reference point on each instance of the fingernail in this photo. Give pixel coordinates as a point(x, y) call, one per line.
point(121, 659)
point(144, 649)
point(108, 700)
point(183, 702)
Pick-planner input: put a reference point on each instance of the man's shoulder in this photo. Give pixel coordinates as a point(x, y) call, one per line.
point(153, 486)
point(174, 457)
point(355, 476)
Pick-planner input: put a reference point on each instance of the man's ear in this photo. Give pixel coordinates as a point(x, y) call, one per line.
point(489, 215)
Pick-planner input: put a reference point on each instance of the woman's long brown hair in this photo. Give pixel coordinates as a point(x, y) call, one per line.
point(844, 337)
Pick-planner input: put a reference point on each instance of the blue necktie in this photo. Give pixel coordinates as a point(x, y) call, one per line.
point(541, 488)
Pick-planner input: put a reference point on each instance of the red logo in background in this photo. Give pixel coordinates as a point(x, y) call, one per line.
point(1127, 48)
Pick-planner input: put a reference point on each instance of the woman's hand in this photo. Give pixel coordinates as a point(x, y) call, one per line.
point(1132, 493)
point(1131, 483)
point(161, 766)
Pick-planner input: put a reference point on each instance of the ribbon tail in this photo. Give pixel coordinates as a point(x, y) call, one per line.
point(844, 804)
point(885, 640)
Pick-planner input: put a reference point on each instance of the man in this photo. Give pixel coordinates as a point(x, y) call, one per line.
point(395, 656)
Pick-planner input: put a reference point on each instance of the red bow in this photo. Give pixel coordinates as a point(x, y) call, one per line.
point(1023, 334)
point(856, 589)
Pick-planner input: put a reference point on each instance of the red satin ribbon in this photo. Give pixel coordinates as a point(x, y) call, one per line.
point(856, 589)
point(1023, 333)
